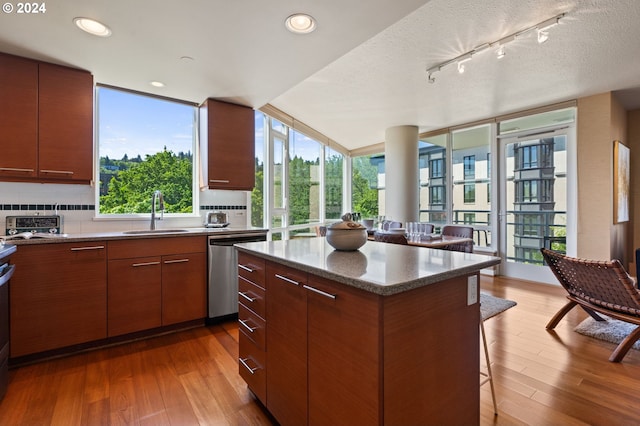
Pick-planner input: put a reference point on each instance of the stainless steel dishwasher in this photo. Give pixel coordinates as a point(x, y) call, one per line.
point(223, 272)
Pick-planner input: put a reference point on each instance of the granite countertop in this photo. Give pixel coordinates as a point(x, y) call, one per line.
point(380, 268)
point(127, 235)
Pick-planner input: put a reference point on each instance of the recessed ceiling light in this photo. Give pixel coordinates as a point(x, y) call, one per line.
point(300, 23)
point(92, 26)
point(156, 83)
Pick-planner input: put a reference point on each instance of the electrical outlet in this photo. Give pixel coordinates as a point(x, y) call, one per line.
point(239, 213)
point(472, 290)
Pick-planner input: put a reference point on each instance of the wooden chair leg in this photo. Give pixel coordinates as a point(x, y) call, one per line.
point(560, 314)
point(489, 374)
point(593, 314)
point(625, 345)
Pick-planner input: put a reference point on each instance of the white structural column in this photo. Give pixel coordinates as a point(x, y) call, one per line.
point(402, 179)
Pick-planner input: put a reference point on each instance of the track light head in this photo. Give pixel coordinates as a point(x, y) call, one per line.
point(460, 67)
point(501, 52)
point(543, 36)
point(431, 79)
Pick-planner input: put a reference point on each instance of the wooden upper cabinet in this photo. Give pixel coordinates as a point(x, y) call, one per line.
point(46, 122)
point(227, 135)
point(18, 117)
point(65, 124)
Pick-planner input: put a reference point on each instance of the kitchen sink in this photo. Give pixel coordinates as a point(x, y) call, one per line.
point(154, 231)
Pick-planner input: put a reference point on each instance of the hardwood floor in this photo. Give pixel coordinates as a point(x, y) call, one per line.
point(191, 377)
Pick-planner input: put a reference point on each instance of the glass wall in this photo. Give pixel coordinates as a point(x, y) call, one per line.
point(299, 181)
point(471, 180)
point(433, 179)
point(367, 185)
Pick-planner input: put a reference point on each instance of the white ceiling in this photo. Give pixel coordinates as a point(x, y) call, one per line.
point(362, 70)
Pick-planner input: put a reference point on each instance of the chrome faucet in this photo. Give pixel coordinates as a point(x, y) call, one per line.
point(156, 195)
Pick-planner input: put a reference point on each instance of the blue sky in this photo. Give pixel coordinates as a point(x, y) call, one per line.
point(141, 125)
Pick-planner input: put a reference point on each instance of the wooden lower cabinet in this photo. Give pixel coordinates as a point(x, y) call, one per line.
point(287, 344)
point(184, 287)
point(339, 355)
point(166, 286)
point(344, 356)
point(252, 361)
point(135, 295)
point(58, 296)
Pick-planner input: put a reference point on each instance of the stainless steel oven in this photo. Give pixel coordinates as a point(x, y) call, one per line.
point(223, 273)
point(6, 271)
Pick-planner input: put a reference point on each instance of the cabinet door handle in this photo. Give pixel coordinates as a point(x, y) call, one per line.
point(176, 261)
point(59, 172)
point(247, 298)
point(246, 268)
point(289, 280)
point(14, 169)
point(87, 248)
point(219, 180)
point(323, 293)
point(245, 365)
point(135, 265)
point(247, 326)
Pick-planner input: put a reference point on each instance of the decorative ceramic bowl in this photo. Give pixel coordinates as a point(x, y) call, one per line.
point(346, 239)
point(346, 235)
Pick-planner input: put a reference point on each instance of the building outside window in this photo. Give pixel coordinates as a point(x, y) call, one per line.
point(145, 143)
point(469, 194)
point(432, 154)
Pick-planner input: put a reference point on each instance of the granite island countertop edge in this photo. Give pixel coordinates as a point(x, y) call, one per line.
point(382, 290)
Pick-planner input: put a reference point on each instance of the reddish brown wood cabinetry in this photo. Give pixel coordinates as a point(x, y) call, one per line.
point(65, 123)
point(46, 122)
point(287, 344)
point(340, 355)
point(252, 324)
point(155, 282)
point(58, 296)
point(18, 117)
point(227, 137)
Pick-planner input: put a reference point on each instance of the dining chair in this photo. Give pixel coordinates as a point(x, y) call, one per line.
point(390, 237)
point(463, 231)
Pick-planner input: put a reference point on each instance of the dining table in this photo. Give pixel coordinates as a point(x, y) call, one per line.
point(434, 241)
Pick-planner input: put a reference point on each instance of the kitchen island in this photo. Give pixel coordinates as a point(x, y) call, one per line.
point(388, 334)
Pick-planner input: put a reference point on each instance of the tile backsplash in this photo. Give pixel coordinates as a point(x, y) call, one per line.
point(77, 206)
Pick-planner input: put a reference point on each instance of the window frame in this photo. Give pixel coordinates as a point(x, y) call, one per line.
point(195, 150)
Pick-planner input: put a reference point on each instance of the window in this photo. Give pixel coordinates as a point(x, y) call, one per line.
point(470, 193)
point(299, 181)
point(436, 195)
point(469, 167)
point(304, 179)
point(436, 169)
point(529, 157)
point(333, 175)
point(365, 188)
point(145, 143)
point(432, 152)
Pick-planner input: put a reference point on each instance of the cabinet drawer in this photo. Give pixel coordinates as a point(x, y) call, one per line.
point(252, 367)
point(163, 246)
point(252, 326)
point(252, 268)
point(251, 296)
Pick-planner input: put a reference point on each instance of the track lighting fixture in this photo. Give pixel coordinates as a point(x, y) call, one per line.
point(543, 35)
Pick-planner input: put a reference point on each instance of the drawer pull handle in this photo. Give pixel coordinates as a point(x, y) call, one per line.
point(245, 297)
point(323, 293)
point(135, 265)
point(60, 172)
point(87, 248)
point(246, 268)
point(289, 280)
point(14, 169)
point(244, 363)
point(176, 261)
point(247, 326)
point(219, 180)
